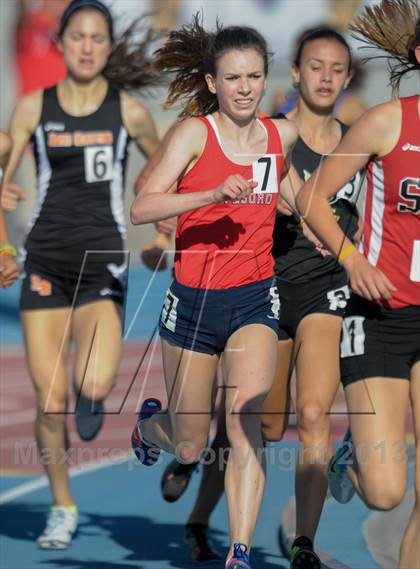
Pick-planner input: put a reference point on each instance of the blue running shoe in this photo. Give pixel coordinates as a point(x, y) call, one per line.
point(240, 557)
point(339, 483)
point(146, 452)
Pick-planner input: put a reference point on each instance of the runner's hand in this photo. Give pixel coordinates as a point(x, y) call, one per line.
point(310, 236)
point(366, 280)
point(9, 270)
point(166, 226)
point(11, 194)
point(234, 188)
point(283, 207)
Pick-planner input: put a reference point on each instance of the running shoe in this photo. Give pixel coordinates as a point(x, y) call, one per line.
point(196, 536)
point(147, 453)
point(175, 479)
point(339, 483)
point(239, 558)
point(303, 555)
point(89, 417)
point(61, 525)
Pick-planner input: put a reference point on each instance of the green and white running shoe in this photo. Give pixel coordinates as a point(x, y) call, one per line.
point(339, 483)
point(61, 525)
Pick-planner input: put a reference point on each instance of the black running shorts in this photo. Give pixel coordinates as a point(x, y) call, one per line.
point(378, 341)
point(327, 294)
point(50, 283)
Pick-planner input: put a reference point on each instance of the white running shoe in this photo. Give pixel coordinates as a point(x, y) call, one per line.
point(339, 483)
point(61, 525)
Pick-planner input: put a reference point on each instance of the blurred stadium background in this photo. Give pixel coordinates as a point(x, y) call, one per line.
point(29, 59)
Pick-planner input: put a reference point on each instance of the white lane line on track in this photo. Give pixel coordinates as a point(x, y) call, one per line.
point(108, 434)
point(42, 481)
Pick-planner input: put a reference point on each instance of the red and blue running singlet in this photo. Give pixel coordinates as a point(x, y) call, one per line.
point(391, 239)
point(228, 244)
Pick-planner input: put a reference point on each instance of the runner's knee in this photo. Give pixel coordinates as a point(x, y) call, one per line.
point(95, 390)
point(384, 494)
point(274, 426)
point(51, 402)
point(311, 417)
point(243, 417)
point(190, 450)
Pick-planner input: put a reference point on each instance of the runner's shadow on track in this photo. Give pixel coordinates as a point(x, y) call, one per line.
point(143, 539)
point(151, 541)
point(78, 564)
point(11, 521)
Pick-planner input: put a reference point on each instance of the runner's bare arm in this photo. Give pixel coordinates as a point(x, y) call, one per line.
point(23, 123)
point(291, 182)
point(9, 270)
point(153, 162)
point(140, 125)
point(184, 146)
point(368, 137)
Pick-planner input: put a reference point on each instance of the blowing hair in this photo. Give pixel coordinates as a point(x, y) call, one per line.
point(320, 33)
point(191, 52)
point(129, 64)
point(393, 27)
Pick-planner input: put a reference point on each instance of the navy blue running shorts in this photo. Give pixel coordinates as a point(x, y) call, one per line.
point(202, 320)
point(378, 341)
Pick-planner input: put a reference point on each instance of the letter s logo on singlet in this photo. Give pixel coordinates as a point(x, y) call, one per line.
point(98, 163)
point(409, 202)
point(264, 171)
point(409, 193)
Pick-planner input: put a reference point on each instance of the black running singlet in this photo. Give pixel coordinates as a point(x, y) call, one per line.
point(80, 164)
point(296, 258)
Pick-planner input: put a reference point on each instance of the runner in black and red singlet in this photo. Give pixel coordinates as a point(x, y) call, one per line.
point(380, 347)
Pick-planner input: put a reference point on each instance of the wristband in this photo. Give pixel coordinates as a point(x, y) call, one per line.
point(346, 252)
point(8, 249)
point(301, 222)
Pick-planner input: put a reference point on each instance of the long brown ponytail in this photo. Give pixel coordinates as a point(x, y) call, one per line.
point(392, 26)
point(191, 52)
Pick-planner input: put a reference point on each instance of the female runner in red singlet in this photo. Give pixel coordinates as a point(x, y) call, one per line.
point(380, 347)
point(228, 165)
